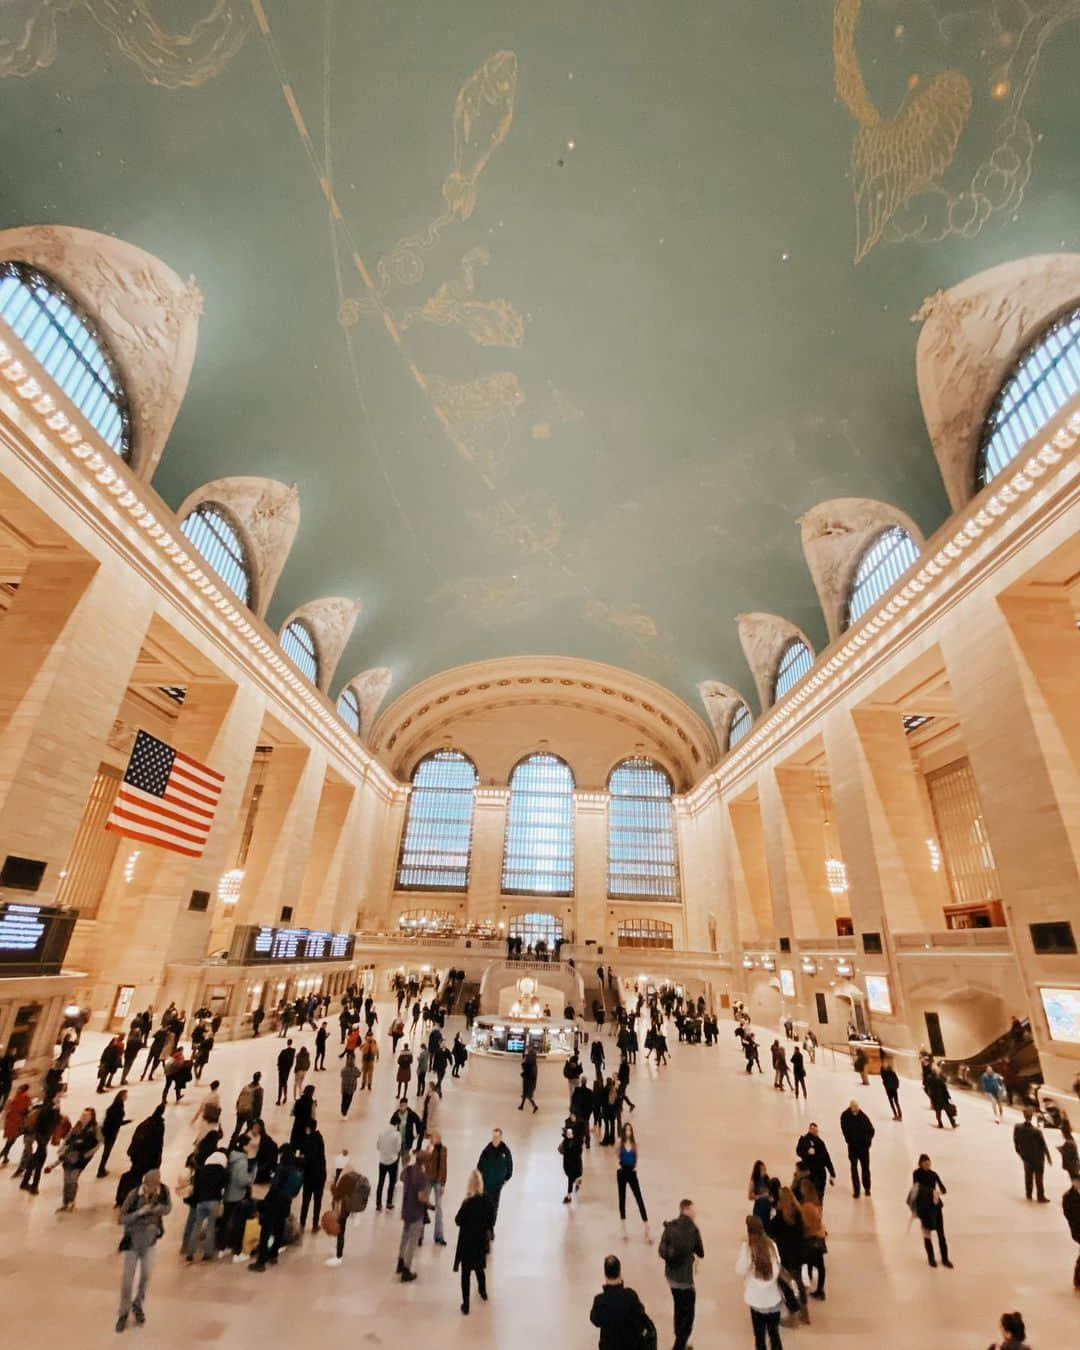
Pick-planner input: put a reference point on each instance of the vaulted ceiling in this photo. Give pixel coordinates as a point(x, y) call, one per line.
point(560, 315)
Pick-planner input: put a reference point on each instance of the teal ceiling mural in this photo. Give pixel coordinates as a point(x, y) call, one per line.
point(559, 315)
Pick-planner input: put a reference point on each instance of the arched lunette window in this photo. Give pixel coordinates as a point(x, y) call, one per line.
point(739, 725)
point(884, 561)
point(796, 660)
point(211, 530)
point(298, 644)
point(437, 842)
point(645, 933)
point(1045, 377)
point(538, 857)
point(533, 927)
point(348, 709)
point(62, 339)
point(642, 857)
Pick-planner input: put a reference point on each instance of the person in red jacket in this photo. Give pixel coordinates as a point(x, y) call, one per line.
point(14, 1119)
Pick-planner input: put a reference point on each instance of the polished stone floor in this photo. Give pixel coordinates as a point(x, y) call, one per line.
point(701, 1123)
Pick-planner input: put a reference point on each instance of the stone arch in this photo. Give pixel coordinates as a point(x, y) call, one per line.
point(331, 620)
point(971, 336)
point(835, 535)
point(267, 515)
point(148, 316)
point(722, 702)
point(370, 688)
point(763, 638)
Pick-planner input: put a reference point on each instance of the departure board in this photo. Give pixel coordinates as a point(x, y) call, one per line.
point(255, 946)
point(33, 938)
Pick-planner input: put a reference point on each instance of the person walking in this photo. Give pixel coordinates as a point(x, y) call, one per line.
point(206, 1202)
point(433, 1159)
point(925, 1202)
point(285, 1186)
point(758, 1262)
point(300, 1069)
point(414, 1208)
point(1070, 1205)
point(285, 1060)
point(627, 1176)
point(858, 1131)
point(42, 1129)
point(404, 1072)
point(388, 1147)
point(788, 1230)
point(112, 1059)
point(321, 1037)
point(475, 1221)
point(813, 1153)
point(496, 1167)
point(313, 1152)
point(798, 1071)
point(529, 1073)
point(814, 1237)
point(144, 1151)
point(15, 1113)
point(680, 1244)
point(858, 1063)
point(891, 1083)
point(349, 1077)
point(154, 1053)
point(132, 1046)
point(249, 1102)
point(571, 1147)
point(79, 1146)
point(349, 1195)
point(1030, 1145)
point(992, 1085)
point(369, 1053)
point(618, 1312)
point(940, 1099)
point(142, 1217)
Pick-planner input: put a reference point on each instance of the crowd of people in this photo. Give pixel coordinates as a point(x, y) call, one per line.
point(256, 1177)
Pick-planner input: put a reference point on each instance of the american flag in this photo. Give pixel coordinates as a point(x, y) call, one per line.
point(166, 798)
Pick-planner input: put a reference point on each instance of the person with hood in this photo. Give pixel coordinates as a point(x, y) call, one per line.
point(528, 1080)
point(618, 1311)
point(680, 1243)
point(496, 1167)
point(313, 1148)
point(475, 1221)
point(112, 1122)
point(142, 1218)
point(15, 1113)
point(205, 1202)
point(300, 1069)
point(858, 1131)
point(1030, 1145)
point(924, 1201)
point(144, 1151)
point(249, 1102)
point(79, 1146)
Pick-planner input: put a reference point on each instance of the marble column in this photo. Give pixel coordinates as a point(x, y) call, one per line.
point(485, 867)
point(590, 868)
point(326, 856)
point(794, 822)
point(750, 873)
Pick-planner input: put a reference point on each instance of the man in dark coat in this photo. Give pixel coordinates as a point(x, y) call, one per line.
point(858, 1131)
point(284, 1068)
point(813, 1153)
point(1070, 1204)
point(617, 1311)
point(144, 1151)
point(1030, 1144)
point(496, 1167)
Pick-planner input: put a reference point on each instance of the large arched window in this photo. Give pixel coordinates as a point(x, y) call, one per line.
point(796, 660)
point(642, 859)
point(437, 841)
point(883, 563)
point(739, 725)
point(532, 928)
point(348, 709)
point(212, 532)
point(298, 644)
point(645, 933)
point(538, 858)
point(63, 340)
point(1045, 377)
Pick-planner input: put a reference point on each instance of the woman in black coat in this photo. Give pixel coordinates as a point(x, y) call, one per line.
point(475, 1220)
point(145, 1149)
point(570, 1146)
point(110, 1127)
point(924, 1198)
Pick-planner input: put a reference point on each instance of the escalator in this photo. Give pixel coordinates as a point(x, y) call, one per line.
point(1013, 1054)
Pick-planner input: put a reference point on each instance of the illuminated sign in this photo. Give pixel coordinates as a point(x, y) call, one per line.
point(1062, 1008)
point(33, 938)
point(252, 945)
point(878, 997)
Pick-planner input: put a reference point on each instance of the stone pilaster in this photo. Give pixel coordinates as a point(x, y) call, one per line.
point(590, 866)
point(485, 867)
point(794, 825)
point(749, 872)
point(326, 855)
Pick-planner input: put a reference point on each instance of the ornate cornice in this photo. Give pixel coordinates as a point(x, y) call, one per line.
point(133, 521)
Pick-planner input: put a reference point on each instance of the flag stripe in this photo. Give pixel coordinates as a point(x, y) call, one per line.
point(193, 815)
point(145, 821)
point(136, 809)
point(193, 764)
point(153, 837)
point(195, 790)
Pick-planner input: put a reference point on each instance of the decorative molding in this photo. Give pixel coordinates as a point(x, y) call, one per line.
point(835, 535)
point(148, 316)
point(267, 513)
point(971, 335)
point(332, 620)
point(763, 638)
point(721, 703)
point(133, 521)
point(370, 688)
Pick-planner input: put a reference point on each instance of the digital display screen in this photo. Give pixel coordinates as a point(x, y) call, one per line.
point(22, 932)
point(1062, 1008)
point(253, 946)
point(787, 983)
point(33, 938)
point(878, 996)
point(515, 1041)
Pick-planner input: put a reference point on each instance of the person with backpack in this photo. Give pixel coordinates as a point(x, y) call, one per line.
point(758, 1262)
point(680, 1243)
point(142, 1218)
point(349, 1195)
point(249, 1102)
point(619, 1313)
point(285, 1186)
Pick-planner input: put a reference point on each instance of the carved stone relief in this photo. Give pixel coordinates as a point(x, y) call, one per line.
point(763, 638)
point(834, 536)
point(268, 516)
point(146, 314)
point(370, 689)
point(332, 620)
point(971, 336)
point(721, 703)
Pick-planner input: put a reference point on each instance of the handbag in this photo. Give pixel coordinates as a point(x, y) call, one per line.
point(329, 1223)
